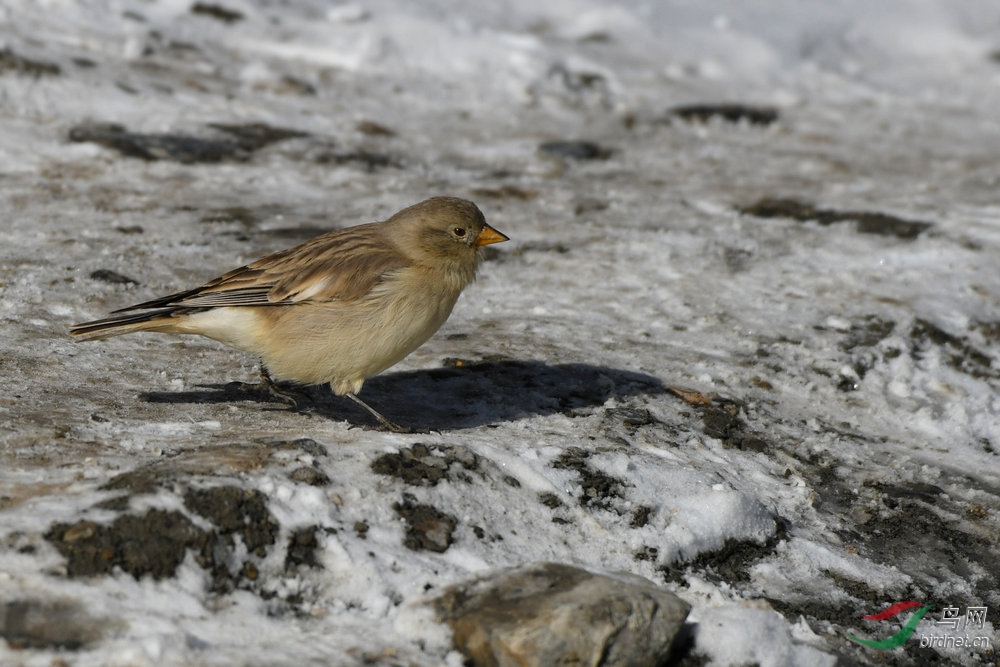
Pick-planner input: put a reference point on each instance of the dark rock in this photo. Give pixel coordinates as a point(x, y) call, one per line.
point(550, 500)
point(217, 12)
point(512, 481)
point(928, 493)
point(721, 421)
point(302, 546)
point(575, 150)
point(229, 214)
point(590, 205)
point(427, 528)
point(153, 544)
point(956, 351)
point(733, 113)
point(414, 465)
point(113, 277)
point(237, 144)
point(369, 160)
point(309, 475)
point(554, 614)
point(373, 129)
point(507, 192)
point(236, 511)
point(179, 148)
point(646, 553)
point(11, 62)
point(293, 85)
point(640, 516)
point(872, 330)
point(48, 624)
point(730, 563)
point(307, 445)
point(631, 418)
point(881, 224)
point(420, 465)
point(254, 136)
point(137, 482)
point(599, 488)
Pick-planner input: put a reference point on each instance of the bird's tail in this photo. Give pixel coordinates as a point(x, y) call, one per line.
point(155, 320)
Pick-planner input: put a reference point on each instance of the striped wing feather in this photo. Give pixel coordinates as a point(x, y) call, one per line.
point(343, 265)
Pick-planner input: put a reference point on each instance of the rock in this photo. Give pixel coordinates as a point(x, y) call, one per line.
point(423, 465)
point(59, 624)
point(232, 141)
point(217, 12)
point(12, 62)
point(112, 277)
point(732, 113)
point(151, 147)
point(309, 475)
point(868, 222)
point(575, 150)
point(153, 544)
point(427, 528)
point(599, 489)
point(554, 614)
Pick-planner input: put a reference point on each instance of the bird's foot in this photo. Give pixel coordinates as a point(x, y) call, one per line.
point(290, 397)
point(383, 421)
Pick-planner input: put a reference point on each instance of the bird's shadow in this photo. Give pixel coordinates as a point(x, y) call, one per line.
point(462, 395)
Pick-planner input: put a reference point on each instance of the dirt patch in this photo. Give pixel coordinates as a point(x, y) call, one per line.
point(112, 277)
point(575, 150)
point(722, 420)
point(958, 352)
point(302, 547)
point(236, 511)
point(599, 490)
point(153, 544)
point(427, 528)
point(881, 224)
point(217, 12)
point(730, 563)
point(223, 142)
point(12, 62)
point(310, 475)
point(427, 465)
point(52, 624)
point(731, 113)
point(156, 542)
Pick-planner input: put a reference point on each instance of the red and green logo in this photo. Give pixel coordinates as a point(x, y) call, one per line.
point(904, 632)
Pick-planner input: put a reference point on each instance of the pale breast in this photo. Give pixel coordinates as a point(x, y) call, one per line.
point(345, 343)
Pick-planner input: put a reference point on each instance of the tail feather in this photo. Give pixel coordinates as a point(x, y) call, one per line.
point(154, 320)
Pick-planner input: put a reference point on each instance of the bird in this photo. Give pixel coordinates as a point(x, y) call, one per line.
point(334, 310)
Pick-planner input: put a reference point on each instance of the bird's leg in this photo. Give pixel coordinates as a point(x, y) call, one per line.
point(392, 426)
point(288, 396)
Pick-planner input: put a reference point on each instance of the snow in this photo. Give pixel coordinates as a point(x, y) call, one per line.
point(738, 635)
point(866, 366)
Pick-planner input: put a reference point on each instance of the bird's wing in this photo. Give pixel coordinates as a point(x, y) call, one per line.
point(344, 265)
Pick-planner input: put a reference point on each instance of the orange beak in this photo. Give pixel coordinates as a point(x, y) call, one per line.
point(490, 235)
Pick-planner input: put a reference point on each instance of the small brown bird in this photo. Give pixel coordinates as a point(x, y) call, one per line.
point(337, 309)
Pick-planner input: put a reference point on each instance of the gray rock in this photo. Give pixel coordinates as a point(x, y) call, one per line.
point(554, 614)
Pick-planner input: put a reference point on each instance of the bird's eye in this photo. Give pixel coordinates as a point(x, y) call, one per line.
point(458, 231)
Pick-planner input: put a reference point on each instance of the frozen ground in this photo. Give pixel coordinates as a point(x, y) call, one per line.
point(848, 458)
